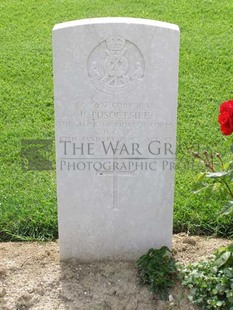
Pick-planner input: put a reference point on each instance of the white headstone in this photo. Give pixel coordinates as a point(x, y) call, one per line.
point(115, 104)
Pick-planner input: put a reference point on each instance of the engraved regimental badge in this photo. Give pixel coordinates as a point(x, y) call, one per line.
point(116, 65)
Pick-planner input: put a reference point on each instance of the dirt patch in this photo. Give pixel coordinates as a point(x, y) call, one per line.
point(31, 277)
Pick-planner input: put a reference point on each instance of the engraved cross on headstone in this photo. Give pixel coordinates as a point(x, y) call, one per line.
point(115, 174)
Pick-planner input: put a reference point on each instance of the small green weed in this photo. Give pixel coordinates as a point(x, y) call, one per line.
point(211, 281)
point(157, 268)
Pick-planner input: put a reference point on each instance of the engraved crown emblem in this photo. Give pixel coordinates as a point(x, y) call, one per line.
point(115, 43)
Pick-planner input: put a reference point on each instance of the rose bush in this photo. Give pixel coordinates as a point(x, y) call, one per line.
point(219, 174)
point(211, 281)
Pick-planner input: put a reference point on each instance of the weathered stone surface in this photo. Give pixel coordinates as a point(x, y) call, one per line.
point(115, 83)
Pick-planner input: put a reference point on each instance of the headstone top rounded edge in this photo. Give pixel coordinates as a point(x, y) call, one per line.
point(116, 20)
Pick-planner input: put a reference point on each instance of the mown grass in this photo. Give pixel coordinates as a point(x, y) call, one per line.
point(28, 206)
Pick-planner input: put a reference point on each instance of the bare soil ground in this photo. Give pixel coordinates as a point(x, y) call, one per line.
point(31, 277)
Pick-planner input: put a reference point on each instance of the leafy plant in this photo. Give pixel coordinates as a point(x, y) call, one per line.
point(218, 178)
point(157, 268)
point(211, 282)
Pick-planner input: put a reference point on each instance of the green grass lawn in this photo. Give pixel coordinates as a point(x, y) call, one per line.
point(28, 206)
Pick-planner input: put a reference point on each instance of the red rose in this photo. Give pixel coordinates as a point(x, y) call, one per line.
point(225, 117)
